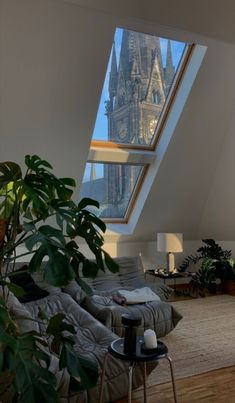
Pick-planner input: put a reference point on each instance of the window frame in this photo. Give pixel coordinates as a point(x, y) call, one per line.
point(135, 192)
point(186, 56)
point(111, 152)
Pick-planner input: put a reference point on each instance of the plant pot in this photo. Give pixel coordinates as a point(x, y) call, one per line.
point(228, 287)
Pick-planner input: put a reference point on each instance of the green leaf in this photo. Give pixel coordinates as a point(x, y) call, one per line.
point(41, 355)
point(1, 361)
point(16, 289)
point(36, 260)
point(4, 314)
point(27, 372)
point(55, 344)
point(9, 172)
point(68, 182)
point(86, 201)
point(57, 325)
point(29, 226)
point(33, 240)
point(58, 271)
point(110, 263)
point(34, 162)
point(92, 218)
point(41, 313)
point(86, 288)
point(28, 215)
point(8, 340)
point(89, 373)
point(39, 392)
point(89, 269)
point(50, 232)
point(2, 301)
point(59, 220)
point(78, 367)
point(9, 358)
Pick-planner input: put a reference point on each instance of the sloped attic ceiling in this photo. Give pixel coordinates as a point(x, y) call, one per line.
point(189, 195)
point(51, 75)
point(211, 18)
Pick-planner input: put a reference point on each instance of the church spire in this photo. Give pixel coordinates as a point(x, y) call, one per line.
point(113, 75)
point(169, 70)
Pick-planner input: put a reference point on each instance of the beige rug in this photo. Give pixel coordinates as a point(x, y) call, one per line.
point(202, 341)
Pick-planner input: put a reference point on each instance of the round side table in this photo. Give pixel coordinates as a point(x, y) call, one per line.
point(116, 349)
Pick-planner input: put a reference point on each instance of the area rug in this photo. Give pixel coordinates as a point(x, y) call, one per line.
point(202, 341)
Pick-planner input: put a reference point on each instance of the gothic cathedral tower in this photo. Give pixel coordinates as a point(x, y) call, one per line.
point(138, 86)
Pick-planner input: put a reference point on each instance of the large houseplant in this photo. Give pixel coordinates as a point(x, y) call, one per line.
point(216, 263)
point(37, 212)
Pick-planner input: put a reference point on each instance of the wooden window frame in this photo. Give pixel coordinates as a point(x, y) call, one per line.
point(164, 113)
point(108, 145)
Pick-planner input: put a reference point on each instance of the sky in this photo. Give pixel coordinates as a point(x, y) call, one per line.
point(101, 127)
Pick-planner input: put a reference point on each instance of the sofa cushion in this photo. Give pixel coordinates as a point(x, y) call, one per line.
point(157, 315)
point(129, 277)
point(75, 291)
point(91, 341)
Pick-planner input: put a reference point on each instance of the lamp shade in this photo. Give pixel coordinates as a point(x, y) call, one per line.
point(167, 242)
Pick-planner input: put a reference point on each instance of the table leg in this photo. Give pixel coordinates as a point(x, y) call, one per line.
point(102, 378)
point(172, 376)
point(145, 386)
point(130, 382)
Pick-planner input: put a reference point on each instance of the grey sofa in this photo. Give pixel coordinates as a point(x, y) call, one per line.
point(157, 315)
point(94, 336)
point(92, 341)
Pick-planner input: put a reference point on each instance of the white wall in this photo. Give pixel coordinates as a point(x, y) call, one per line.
point(53, 57)
point(51, 73)
point(151, 258)
point(219, 208)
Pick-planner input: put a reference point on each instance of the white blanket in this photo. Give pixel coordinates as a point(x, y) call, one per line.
point(139, 295)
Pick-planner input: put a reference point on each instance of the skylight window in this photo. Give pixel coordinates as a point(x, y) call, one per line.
point(113, 186)
point(140, 73)
point(143, 76)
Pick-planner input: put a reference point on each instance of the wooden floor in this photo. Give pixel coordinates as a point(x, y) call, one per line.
point(212, 387)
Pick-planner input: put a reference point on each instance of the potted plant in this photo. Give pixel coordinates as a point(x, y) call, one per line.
point(38, 213)
point(226, 274)
point(216, 264)
point(204, 279)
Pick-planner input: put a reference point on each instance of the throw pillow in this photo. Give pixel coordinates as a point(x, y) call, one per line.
point(31, 289)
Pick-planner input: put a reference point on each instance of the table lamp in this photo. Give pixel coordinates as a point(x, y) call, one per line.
point(170, 243)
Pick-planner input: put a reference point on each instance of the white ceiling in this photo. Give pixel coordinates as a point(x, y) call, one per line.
point(212, 18)
point(53, 56)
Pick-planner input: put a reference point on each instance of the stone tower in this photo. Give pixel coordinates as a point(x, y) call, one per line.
point(138, 86)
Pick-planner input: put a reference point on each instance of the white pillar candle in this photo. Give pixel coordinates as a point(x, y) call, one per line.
point(150, 339)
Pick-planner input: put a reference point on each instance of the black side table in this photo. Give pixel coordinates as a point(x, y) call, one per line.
point(116, 349)
point(168, 276)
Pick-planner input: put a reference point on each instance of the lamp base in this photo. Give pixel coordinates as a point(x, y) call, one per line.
point(170, 262)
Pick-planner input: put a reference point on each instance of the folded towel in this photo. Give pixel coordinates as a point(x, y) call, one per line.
point(140, 295)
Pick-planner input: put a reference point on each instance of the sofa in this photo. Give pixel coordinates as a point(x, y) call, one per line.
point(159, 315)
point(98, 322)
point(91, 342)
